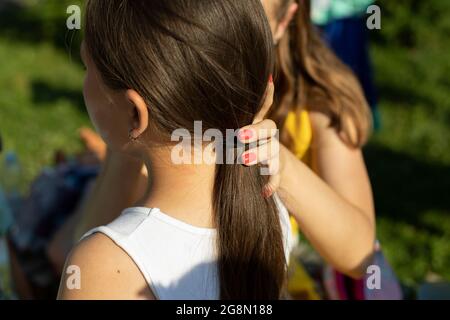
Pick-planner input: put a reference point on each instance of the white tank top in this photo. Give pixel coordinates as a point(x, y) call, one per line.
point(178, 260)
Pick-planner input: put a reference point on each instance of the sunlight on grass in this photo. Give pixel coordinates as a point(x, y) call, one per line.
point(40, 104)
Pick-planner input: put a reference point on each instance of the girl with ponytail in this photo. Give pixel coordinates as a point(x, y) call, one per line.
point(201, 230)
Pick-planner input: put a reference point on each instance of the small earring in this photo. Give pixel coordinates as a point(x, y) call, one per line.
point(131, 136)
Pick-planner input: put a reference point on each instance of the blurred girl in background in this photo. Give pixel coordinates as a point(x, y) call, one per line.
point(325, 120)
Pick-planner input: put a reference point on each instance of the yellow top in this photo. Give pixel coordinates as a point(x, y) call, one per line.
point(300, 284)
point(300, 130)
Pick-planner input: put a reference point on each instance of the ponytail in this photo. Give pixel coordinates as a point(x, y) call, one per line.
point(252, 263)
point(189, 69)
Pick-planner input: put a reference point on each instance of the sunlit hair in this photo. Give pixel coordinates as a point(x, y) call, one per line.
point(205, 60)
point(310, 76)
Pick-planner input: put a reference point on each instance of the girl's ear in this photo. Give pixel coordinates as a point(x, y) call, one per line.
point(140, 114)
point(285, 21)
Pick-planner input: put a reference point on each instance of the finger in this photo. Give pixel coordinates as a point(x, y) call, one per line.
point(274, 165)
point(265, 129)
point(268, 152)
point(272, 186)
point(268, 101)
point(275, 178)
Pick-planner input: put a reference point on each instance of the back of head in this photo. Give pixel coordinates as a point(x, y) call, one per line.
point(209, 61)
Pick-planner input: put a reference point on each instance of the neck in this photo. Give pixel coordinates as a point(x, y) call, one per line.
point(181, 191)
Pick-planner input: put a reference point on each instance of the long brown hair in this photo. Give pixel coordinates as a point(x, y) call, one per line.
point(310, 76)
point(207, 60)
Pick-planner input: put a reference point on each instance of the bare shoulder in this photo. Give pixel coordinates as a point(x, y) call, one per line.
point(325, 134)
point(98, 269)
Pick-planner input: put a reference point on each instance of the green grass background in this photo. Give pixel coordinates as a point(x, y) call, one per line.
point(41, 108)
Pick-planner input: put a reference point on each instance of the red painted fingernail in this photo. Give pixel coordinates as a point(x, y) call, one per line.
point(271, 79)
point(267, 192)
point(249, 158)
point(245, 135)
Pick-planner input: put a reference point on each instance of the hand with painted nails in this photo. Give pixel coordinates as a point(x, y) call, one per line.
point(263, 134)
